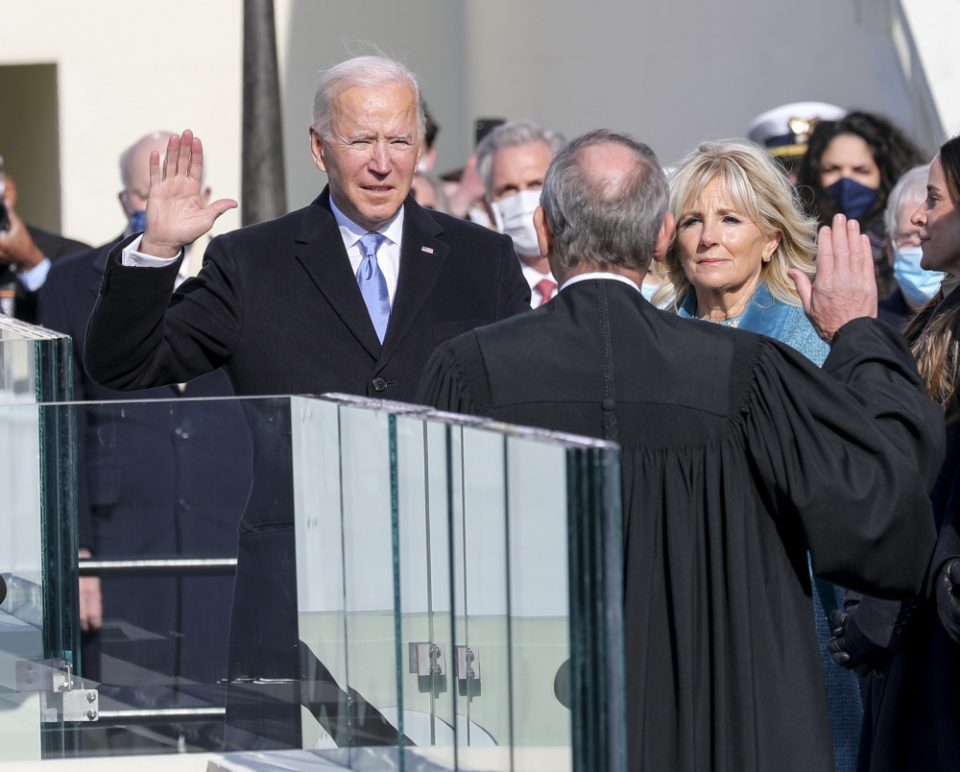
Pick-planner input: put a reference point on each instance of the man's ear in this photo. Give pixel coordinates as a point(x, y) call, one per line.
point(544, 236)
point(664, 236)
point(317, 150)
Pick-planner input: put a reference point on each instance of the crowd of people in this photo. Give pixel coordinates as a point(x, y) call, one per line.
point(790, 486)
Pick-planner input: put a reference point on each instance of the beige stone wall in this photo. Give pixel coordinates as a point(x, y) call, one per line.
point(671, 73)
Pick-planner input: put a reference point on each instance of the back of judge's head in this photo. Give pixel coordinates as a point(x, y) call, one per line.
point(604, 202)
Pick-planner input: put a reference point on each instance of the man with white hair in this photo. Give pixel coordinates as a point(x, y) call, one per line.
point(512, 161)
point(349, 294)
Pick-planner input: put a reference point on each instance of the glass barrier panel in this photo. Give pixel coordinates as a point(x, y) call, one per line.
point(21, 560)
point(162, 483)
point(414, 546)
point(426, 641)
point(320, 569)
point(370, 580)
point(539, 603)
point(37, 556)
point(481, 661)
point(35, 363)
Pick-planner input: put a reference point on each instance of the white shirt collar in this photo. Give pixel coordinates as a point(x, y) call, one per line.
point(532, 275)
point(598, 275)
point(351, 233)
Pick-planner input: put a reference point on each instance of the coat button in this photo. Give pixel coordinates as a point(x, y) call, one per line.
point(379, 384)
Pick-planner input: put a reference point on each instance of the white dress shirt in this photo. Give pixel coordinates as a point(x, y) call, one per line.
point(532, 275)
point(388, 256)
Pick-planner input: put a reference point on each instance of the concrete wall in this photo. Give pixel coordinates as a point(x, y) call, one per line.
point(124, 68)
point(672, 73)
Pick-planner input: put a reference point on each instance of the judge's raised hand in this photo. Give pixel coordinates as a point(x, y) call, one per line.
point(845, 287)
point(176, 212)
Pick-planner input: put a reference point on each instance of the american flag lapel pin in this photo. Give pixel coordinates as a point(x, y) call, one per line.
point(428, 250)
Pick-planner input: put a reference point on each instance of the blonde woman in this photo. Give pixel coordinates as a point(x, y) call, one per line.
point(740, 231)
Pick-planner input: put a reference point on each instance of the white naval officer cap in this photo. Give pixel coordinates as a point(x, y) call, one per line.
point(785, 130)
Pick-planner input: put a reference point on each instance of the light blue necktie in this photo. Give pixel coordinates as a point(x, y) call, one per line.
point(373, 286)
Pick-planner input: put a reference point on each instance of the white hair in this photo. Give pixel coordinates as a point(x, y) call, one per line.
point(513, 134)
point(912, 186)
point(365, 71)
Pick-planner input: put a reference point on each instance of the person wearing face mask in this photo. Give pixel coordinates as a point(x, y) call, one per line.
point(915, 285)
point(850, 166)
point(177, 508)
point(512, 161)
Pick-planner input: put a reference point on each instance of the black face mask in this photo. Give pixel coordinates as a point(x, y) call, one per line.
point(851, 198)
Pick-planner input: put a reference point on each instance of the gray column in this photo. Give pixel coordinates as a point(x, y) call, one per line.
point(263, 187)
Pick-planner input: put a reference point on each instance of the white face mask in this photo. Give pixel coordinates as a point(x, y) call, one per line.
point(514, 217)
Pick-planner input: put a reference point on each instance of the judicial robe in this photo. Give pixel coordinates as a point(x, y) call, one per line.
point(738, 456)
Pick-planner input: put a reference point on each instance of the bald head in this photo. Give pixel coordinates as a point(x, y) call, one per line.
point(610, 169)
point(604, 201)
point(135, 161)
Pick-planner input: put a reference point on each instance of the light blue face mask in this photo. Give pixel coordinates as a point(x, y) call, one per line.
point(917, 285)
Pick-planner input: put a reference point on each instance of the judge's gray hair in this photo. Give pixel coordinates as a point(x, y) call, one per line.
point(604, 220)
point(513, 134)
point(363, 71)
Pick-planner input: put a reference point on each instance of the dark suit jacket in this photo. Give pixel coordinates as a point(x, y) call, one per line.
point(278, 307)
point(153, 480)
point(53, 247)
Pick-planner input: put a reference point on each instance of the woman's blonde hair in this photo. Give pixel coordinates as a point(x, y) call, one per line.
point(761, 190)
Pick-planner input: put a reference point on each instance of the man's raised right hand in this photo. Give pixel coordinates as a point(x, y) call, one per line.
point(176, 214)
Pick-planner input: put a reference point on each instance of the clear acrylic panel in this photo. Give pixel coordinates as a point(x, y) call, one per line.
point(481, 599)
point(21, 571)
point(163, 485)
point(37, 544)
point(426, 641)
point(431, 587)
point(539, 603)
point(321, 596)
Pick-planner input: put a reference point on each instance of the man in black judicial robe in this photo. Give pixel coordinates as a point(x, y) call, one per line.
point(738, 457)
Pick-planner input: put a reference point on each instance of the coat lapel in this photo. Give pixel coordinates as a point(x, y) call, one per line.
point(422, 256)
point(319, 248)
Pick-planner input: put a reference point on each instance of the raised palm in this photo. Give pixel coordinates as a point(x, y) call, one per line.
point(176, 213)
point(845, 287)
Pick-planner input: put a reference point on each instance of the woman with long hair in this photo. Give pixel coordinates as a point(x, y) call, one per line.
point(850, 168)
point(912, 692)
